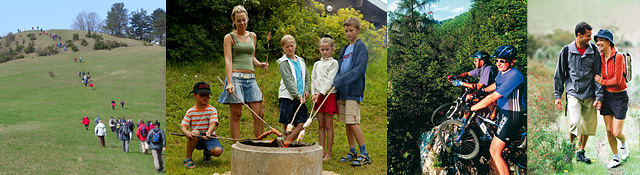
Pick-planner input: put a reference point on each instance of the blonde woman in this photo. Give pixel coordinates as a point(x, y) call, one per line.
point(240, 60)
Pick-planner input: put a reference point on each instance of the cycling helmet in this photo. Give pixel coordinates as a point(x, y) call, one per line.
point(507, 52)
point(481, 55)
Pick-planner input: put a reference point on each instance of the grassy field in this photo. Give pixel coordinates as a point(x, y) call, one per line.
point(181, 78)
point(40, 123)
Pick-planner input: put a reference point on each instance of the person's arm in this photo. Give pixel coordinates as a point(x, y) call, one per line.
point(185, 125)
point(316, 78)
point(263, 65)
point(360, 58)
point(462, 75)
point(307, 83)
point(164, 140)
point(599, 88)
point(331, 74)
point(559, 79)
point(486, 101)
point(228, 62)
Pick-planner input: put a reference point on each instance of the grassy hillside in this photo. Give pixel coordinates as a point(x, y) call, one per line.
point(40, 123)
point(181, 78)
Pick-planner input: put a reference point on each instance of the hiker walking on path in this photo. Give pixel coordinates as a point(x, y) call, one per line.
point(157, 144)
point(113, 105)
point(324, 71)
point(101, 132)
point(97, 119)
point(615, 101)
point(239, 56)
point(112, 124)
point(142, 132)
point(125, 136)
point(577, 66)
point(122, 103)
point(85, 122)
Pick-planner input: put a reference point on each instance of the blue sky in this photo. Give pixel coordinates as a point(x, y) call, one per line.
point(60, 14)
point(442, 10)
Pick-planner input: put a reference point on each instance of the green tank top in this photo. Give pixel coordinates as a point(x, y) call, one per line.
point(242, 54)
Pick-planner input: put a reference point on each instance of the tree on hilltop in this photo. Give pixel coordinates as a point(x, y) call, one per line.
point(87, 21)
point(117, 18)
point(159, 26)
point(140, 24)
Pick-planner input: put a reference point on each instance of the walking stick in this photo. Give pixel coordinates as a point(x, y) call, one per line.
point(275, 131)
point(216, 137)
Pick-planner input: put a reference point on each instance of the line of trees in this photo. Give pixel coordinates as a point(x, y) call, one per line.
point(122, 23)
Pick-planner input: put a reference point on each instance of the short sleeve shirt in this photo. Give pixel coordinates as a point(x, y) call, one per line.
point(486, 73)
point(512, 87)
point(200, 119)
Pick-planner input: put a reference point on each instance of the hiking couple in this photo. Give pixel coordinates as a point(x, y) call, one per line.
point(592, 76)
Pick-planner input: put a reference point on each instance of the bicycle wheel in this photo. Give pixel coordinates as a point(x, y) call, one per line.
point(441, 113)
point(469, 144)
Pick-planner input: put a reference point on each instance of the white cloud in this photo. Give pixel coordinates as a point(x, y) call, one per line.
point(393, 6)
point(458, 10)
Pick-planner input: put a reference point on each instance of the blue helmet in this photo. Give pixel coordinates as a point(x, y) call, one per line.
point(507, 52)
point(481, 55)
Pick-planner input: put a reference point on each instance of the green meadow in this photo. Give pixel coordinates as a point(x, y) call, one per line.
point(41, 115)
point(182, 76)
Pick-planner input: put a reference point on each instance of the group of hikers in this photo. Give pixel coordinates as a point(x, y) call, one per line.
point(85, 79)
point(339, 83)
point(151, 137)
point(594, 78)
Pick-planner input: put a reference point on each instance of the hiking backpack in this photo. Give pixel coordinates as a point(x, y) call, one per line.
point(156, 137)
point(143, 131)
point(627, 66)
point(125, 130)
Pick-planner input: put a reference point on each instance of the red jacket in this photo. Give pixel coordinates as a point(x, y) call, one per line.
point(85, 120)
point(151, 126)
point(142, 138)
point(611, 70)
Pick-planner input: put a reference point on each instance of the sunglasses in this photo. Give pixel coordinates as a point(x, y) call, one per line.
point(501, 61)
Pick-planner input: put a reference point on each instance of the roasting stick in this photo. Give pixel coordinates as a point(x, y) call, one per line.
point(290, 125)
point(308, 122)
point(216, 137)
point(275, 131)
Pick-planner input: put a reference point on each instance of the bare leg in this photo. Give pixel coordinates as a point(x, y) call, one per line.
point(495, 150)
point(295, 132)
point(329, 131)
point(350, 137)
point(321, 132)
point(191, 144)
point(216, 152)
point(617, 130)
point(258, 126)
point(613, 143)
point(357, 133)
point(583, 141)
point(234, 126)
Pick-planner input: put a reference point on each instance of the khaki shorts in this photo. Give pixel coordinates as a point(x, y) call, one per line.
point(349, 111)
point(582, 116)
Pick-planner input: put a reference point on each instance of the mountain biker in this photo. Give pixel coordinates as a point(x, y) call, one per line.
point(484, 70)
point(509, 91)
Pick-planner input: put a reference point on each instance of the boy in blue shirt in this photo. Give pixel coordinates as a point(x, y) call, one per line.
point(352, 66)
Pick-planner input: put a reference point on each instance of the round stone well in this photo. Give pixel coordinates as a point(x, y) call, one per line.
point(263, 158)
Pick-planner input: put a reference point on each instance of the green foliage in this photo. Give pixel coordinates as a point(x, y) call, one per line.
point(88, 35)
point(74, 48)
point(423, 52)
point(32, 37)
point(201, 26)
point(23, 41)
point(76, 37)
point(84, 43)
point(19, 48)
point(30, 48)
point(108, 44)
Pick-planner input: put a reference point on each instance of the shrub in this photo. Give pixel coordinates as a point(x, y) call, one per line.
point(20, 56)
point(30, 48)
point(88, 34)
point(74, 48)
point(19, 48)
point(76, 37)
point(99, 45)
point(84, 43)
point(52, 74)
point(69, 43)
point(33, 37)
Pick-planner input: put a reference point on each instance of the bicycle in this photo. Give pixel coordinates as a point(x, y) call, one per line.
point(451, 110)
point(461, 137)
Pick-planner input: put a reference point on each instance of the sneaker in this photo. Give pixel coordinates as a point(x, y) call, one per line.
point(580, 157)
point(614, 163)
point(624, 152)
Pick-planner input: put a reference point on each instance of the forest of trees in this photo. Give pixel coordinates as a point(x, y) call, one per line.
point(422, 52)
point(121, 22)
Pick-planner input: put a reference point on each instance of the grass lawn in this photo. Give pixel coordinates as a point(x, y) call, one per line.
point(181, 78)
point(40, 123)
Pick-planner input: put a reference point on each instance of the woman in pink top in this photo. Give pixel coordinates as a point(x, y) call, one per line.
point(616, 101)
